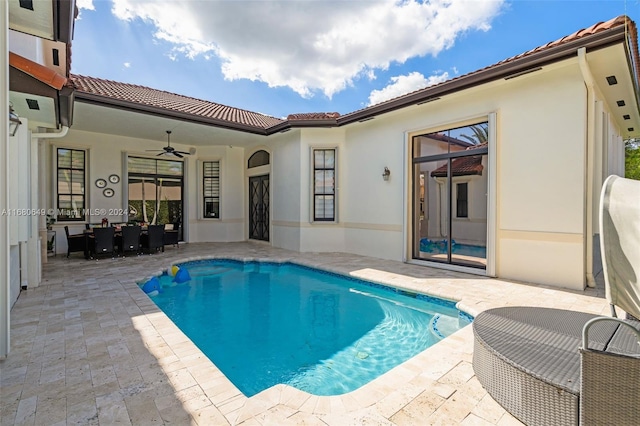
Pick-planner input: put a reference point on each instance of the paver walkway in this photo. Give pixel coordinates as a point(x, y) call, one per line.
point(89, 348)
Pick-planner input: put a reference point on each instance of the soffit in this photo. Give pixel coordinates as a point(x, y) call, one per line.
point(44, 116)
point(38, 22)
point(39, 93)
point(612, 61)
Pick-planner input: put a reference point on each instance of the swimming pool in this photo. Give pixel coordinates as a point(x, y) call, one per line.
point(266, 323)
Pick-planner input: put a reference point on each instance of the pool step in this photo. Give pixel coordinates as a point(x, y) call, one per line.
point(442, 326)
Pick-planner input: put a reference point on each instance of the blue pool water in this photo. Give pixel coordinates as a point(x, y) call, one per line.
point(266, 323)
point(440, 247)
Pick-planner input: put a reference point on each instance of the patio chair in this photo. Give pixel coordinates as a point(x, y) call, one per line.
point(153, 239)
point(75, 242)
point(603, 371)
point(103, 241)
point(171, 234)
point(558, 367)
point(130, 239)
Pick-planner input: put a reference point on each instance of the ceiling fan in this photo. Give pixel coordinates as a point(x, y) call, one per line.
point(169, 150)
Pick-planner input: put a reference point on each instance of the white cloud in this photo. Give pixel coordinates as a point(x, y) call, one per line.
point(309, 45)
point(85, 4)
point(403, 84)
point(127, 64)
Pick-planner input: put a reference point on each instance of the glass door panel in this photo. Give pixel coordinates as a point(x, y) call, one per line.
point(170, 202)
point(432, 212)
point(142, 199)
point(469, 216)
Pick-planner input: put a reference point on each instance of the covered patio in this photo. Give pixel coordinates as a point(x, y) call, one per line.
point(89, 347)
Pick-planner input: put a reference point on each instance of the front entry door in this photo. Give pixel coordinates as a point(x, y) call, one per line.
point(259, 208)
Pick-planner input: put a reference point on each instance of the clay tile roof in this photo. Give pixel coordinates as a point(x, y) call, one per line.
point(37, 71)
point(593, 29)
point(462, 166)
point(170, 101)
point(620, 21)
point(313, 116)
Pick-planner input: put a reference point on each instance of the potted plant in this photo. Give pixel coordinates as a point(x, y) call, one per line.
point(51, 235)
point(50, 221)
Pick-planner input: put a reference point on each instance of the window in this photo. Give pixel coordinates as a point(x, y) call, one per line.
point(462, 200)
point(324, 169)
point(211, 189)
point(70, 184)
point(259, 158)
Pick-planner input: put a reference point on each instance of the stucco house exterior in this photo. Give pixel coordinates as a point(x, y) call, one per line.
point(409, 179)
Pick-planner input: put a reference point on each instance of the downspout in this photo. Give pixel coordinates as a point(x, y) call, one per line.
point(41, 227)
point(590, 166)
point(53, 135)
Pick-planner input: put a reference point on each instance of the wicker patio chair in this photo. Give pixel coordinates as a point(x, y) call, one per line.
point(103, 241)
point(610, 380)
point(129, 239)
point(75, 242)
point(153, 240)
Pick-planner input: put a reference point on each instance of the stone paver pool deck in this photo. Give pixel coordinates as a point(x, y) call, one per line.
point(89, 347)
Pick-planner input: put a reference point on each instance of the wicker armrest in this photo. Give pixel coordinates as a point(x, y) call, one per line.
point(627, 324)
point(610, 378)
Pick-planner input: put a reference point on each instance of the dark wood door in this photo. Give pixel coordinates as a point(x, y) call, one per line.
point(259, 208)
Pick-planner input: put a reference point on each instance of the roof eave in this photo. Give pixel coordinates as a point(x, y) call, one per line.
point(287, 125)
point(554, 54)
point(23, 82)
point(153, 110)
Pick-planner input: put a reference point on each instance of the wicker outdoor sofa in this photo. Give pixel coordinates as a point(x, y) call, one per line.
point(528, 360)
point(557, 367)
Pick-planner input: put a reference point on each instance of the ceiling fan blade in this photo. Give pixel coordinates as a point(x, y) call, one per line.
point(183, 152)
point(158, 155)
point(177, 154)
point(154, 150)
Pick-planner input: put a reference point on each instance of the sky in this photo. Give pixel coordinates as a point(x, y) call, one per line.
point(293, 56)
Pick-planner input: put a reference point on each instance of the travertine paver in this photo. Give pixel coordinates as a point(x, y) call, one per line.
point(89, 347)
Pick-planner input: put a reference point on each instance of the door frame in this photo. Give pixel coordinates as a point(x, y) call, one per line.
point(492, 196)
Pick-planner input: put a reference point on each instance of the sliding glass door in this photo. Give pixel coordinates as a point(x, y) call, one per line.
point(450, 196)
point(155, 191)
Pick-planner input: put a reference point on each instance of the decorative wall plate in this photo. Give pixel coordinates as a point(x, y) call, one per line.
point(108, 192)
point(101, 183)
point(114, 178)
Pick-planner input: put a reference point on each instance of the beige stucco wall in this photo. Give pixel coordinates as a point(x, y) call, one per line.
point(286, 183)
point(542, 179)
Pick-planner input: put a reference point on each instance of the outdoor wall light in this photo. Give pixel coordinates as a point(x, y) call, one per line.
point(14, 121)
point(386, 174)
